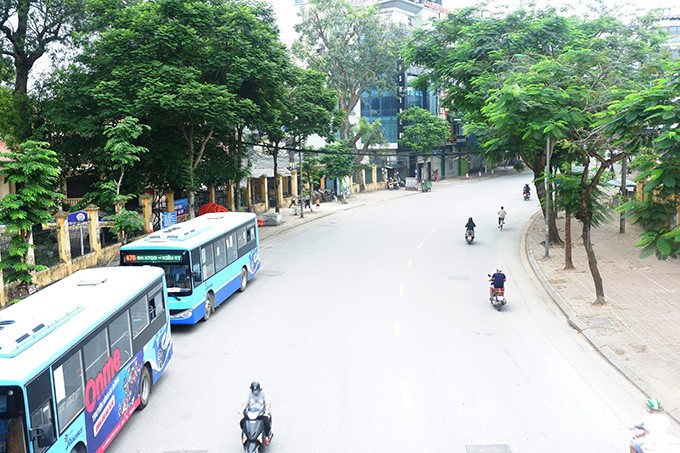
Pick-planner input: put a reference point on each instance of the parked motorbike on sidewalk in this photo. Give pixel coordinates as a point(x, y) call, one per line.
point(252, 431)
point(469, 236)
point(392, 184)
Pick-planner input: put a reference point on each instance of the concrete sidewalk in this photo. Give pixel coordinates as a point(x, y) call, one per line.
point(638, 329)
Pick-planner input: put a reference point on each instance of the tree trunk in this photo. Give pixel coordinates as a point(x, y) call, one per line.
point(553, 232)
point(361, 181)
point(192, 202)
point(568, 262)
point(275, 155)
point(592, 264)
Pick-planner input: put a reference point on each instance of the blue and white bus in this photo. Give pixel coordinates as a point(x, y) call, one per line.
point(78, 357)
point(206, 260)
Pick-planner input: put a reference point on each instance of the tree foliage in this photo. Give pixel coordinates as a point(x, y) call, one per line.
point(357, 49)
point(423, 131)
point(647, 122)
point(35, 172)
point(535, 79)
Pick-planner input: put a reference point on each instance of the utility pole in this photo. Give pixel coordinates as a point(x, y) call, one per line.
point(546, 175)
point(302, 201)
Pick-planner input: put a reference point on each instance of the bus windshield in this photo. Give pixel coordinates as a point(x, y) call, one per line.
point(11, 424)
point(174, 263)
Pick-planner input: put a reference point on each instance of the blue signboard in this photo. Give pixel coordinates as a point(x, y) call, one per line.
point(168, 218)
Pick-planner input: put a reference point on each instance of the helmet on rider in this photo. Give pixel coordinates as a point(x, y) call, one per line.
point(653, 405)
point(499, 270)
point(255, 387)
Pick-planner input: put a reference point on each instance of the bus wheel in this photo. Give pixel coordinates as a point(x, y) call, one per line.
point(79, 449)
point(144, 388)
point(244, 279)
point(209, 306)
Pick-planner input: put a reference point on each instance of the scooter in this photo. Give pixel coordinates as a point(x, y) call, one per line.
point(392, 184)
point(469, 236)
point(527, 196)
point(498, 298)
point(252, 434)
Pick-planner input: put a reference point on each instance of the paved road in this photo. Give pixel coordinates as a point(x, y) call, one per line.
point(371, 330)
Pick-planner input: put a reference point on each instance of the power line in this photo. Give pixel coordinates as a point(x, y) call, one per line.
point(371, 153)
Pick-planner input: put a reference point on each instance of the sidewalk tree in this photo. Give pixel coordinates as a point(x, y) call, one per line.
point(35, 172)
point(646, 122)
point(305, 106)
point(422, 131)
point(356, 49)
point(542, 78)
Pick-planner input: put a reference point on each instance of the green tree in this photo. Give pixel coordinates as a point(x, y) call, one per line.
point(423, 131)
point(305, 106)
point(357, 50)
point(194, 71)
point(120, 154)
point(34, 169)
point(646, 122)
point(29, 28)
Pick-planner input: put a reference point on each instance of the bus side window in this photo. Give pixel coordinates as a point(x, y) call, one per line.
point(155, 304)
point(139, 315)
point(68, 389)
point(95, 355)
point(119, 333)
point(196, 267)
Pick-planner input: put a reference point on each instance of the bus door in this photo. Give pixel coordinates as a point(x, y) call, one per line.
point(39, 392)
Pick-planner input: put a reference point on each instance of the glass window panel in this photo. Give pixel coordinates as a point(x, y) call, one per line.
point(156, 305)
point(119, 332)
point(220, 250)
point(96, 352)
point(207, 261)
point(68, 383)
point(232, 251)
point(241, 237)
point(139, 315)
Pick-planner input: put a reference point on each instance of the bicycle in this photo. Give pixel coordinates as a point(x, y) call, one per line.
point(501, 222)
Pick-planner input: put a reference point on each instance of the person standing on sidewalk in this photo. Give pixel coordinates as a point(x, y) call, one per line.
point(501, 217)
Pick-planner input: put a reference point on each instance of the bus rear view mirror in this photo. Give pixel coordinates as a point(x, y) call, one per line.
point(44, 434)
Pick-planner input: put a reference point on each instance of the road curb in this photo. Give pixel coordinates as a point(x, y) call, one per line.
point(578, 324)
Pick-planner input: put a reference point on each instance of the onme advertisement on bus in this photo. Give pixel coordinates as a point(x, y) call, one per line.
point(113, 395)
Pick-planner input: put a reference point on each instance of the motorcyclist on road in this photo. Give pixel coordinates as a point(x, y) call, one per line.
point(526, 191)
point(501, 216)
point(470, 225)
point(497, 282)
point(259, 402)
point(653, 430)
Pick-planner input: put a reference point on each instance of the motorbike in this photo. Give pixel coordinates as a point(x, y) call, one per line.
point(527, 196)
point(252, 431)
point(392, 184)
point(469, 236)
point(498, 299)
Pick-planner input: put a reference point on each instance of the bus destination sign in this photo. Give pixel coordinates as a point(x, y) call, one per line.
point(157, 258)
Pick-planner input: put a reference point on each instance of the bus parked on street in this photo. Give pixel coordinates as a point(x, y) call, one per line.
point(78, 357)
point(205, 259)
